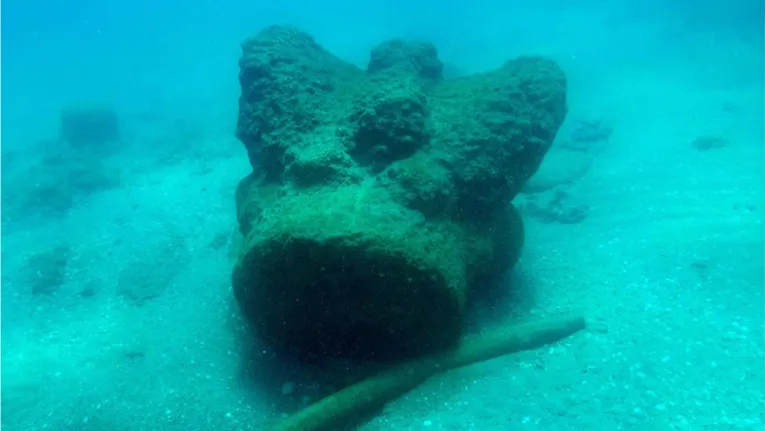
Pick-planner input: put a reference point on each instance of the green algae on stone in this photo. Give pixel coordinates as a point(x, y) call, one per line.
point(379, 200)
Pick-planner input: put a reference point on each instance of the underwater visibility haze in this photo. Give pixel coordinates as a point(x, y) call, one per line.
point(305, 216)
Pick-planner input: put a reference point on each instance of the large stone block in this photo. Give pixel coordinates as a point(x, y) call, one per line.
point(379, 200)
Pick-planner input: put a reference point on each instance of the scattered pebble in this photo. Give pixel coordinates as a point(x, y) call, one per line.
point(704, 143)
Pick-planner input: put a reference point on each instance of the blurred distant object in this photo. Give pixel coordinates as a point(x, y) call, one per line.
point(704, 143)
point(587, 135)
point(554, 207)
point(153, 268)
point(46, 271)
point(450, 71)
point(48, 179)
point(89, 125)
point(560, 167)
point(544, 195)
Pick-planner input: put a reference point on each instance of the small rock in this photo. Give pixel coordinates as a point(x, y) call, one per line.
point(704, 143)
point(556, 209)
point(89, 290)
point(288, 388)
point(46, 272)
point(134, 355)
point(588, 135)
point(559, 167)
point(599, 327)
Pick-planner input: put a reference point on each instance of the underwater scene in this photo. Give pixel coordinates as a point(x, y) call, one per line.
point(382, 216)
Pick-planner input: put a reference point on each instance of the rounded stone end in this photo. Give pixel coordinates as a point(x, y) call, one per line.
point(341, 297)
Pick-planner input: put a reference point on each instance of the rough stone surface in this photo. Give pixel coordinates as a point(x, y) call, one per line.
point(380, 199)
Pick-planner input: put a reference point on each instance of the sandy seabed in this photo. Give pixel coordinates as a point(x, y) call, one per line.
point(668, 267)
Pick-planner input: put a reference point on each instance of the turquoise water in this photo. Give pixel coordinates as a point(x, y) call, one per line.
point(119, 228)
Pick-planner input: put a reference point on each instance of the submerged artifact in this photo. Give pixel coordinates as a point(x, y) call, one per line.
point(379, 200)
